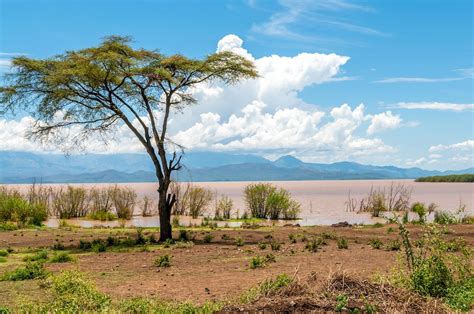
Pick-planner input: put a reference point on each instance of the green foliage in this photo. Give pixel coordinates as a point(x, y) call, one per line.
point(208, 238)
point(13, 207)
point(342, 243)
point(264, 200)
point(376, 243)
point(341, 302)
point(197, 200)
point(393, 245)
point(40, 256)
point(4, 253)
point(445, 218)
point(419, 209)
point(70, 202)
point(271, 286)
point(448, 178)
point(257, 262)
point(183, 235)
point(163, 261)
point(74, 293)
point(275, 245)
point(239, 241)
point(61, 257)
point(102, 216)
point(31, 270)
point(292, 237)
point(460, 296)
point(431, 277)
point(314, 244)
point(7, 226)
point(98, 246)
point(3, 259)
point(438, 268)
point(225, 237)
point(262, 245)
point(223, 208)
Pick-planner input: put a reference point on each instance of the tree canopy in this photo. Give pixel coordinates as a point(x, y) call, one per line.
point(97, 89)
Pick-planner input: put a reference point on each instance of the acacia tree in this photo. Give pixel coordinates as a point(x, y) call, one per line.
point(95, 90)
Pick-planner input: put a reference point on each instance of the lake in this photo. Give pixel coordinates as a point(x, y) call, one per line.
point(323, 202)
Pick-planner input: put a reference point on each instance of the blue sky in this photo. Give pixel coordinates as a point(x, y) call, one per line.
point(411, 54)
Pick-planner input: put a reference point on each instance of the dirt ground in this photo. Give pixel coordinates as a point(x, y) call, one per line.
point(206, 271)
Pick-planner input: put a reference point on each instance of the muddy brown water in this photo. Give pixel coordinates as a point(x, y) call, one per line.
point(322, 202)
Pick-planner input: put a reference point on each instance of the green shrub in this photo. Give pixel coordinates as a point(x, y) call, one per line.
point(376, 244)
point(183, 235)
point(313, 245)
point(271, 286)
point(163, 261)
point(4, 253)
point(102, 216)
point(85, 245)
point(3, 259)
point(444, 218)
point(342, 243)
point(266, 288)
point(431, 277)
point(262, 246)
point(257, 262)
point(460, 296)
point(208, 238)
point(419, 209)
point(7, 226)
point(73, 293)
point(41, 256)
point(168, 243)
point(264, 200)
point(225, 237)
point(239, 241)
point(31, 270)
point(124, 200)
point(292, 237)
point(98, 246)
point(393, 245)
point(275, 246)
point(61, 257)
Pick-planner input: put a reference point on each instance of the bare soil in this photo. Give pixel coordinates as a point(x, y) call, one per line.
point(206, 271)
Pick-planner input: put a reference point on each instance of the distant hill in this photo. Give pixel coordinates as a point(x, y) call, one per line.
point(23, 167)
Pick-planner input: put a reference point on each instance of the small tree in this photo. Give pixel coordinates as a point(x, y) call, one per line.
point(97, 89)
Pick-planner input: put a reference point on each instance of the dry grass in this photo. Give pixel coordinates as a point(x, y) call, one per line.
point(314, 295)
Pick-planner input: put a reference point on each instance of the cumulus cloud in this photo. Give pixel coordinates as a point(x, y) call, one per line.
point(461, 146)
point(264, 115)
point(461, 153)
point(286, 130)
point(383, 121)
point(434, 106)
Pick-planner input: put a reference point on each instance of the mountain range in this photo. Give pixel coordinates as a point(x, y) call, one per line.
point(25, 167)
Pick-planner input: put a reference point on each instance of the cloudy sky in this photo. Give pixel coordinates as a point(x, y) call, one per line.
point(379, 82)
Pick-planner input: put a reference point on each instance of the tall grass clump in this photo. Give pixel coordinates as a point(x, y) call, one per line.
point(223, 208)
point(71, 202)
point(396, 198)
point(198, 199)
point(148, 207)
point(124, 200)
point(15, 208)
point(264, 200)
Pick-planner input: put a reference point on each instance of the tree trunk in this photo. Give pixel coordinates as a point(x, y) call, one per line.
point(165, 204)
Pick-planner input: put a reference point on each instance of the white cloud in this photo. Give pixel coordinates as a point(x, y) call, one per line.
point(462, 146)
point(433, 106)
point(463, 74)
point(262, 115)
point(417, 80)
point(383, 121)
